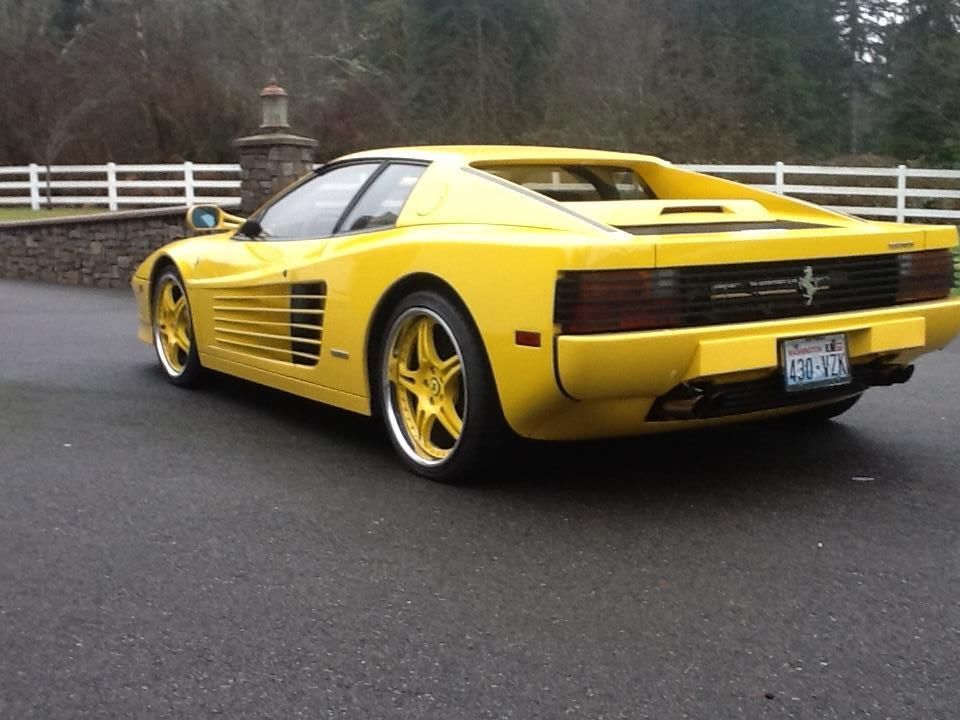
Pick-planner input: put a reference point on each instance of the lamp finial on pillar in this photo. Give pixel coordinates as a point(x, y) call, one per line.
point(274, 157)
point(275, 103)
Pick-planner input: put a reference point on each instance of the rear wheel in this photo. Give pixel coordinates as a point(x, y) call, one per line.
point(173, 331)
point(437, 394)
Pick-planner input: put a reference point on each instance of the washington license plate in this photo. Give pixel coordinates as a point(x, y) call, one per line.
point(815, 362)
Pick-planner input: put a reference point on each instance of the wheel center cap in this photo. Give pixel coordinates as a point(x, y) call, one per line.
point(434, 386)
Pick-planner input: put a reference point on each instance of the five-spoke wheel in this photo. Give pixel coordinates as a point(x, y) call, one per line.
point(439, 405)
point(173, 330)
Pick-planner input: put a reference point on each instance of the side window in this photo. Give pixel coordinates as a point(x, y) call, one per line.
point(313, 209)
point(383, 202)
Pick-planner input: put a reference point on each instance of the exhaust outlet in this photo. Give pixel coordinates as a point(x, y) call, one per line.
point(705, 403)
point(893, 375)
point(683, 409)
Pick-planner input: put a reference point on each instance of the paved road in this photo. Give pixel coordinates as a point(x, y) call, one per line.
point(235, 552)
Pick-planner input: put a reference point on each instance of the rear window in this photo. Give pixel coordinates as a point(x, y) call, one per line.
point(576, 183)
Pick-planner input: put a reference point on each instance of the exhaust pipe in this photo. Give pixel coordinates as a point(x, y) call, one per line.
point(705, 400)
point(683, 409)
point(887, 375)
point(701, 404)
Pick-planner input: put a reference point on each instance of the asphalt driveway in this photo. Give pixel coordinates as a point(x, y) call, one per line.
point(233, 551)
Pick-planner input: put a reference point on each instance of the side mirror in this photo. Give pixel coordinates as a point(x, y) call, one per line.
point(204, 218)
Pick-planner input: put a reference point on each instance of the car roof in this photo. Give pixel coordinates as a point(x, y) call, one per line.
point(474, 154)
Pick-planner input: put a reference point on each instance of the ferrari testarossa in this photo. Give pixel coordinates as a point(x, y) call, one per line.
point(462, 293)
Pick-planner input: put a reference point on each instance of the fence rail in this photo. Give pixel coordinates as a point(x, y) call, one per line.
point(886, 193)
point(899, 193)
point(115, 187)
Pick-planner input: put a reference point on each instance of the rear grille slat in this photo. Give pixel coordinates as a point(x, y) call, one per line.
point(625, 300)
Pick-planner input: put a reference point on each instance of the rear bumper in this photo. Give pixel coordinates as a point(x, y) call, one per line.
point(613, 383)
point(650, 364)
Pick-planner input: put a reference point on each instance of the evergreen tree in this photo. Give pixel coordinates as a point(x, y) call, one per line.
point(925, 93)
point(476, 67)
point(70, 16)
point(727, 80)
point(863, 30)
point(800, 88)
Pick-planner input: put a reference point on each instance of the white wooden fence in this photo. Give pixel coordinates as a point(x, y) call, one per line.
point(117, 187)
point(898, 193)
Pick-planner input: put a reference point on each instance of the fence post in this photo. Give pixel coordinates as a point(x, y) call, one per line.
point(901, 193)
point(189, 192)
point(112, 195)
point(779, 180)
point(34, 187)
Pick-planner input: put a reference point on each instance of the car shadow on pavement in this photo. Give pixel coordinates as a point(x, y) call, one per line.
point(220, 393)
point(741, 459)
point(744, 458)
point(306, 415)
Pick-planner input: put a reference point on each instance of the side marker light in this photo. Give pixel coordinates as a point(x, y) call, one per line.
point(525, 338)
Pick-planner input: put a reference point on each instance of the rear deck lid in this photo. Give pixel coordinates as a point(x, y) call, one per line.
point(682, 217)
point(719, 232)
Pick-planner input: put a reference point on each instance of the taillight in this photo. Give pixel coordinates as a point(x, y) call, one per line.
point(617, 301)
point(925, 276)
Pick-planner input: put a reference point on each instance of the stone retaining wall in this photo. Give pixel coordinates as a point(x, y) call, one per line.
point(95, 250)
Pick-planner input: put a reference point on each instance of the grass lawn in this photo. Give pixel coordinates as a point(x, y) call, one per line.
point(17, 214)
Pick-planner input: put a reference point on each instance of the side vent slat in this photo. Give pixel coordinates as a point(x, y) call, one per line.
point(280, 323)
point(307, 306)
point(265, 336)
point(224, 321)
point(253, 348)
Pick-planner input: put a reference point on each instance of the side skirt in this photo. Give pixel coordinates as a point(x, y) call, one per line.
point(318, 393)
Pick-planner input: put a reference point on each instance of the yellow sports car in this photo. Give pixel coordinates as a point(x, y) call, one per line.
point(465, 292)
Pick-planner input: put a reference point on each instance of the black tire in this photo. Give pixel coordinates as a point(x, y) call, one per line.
point(180, 366)
point(471, 395)
point(823, 413)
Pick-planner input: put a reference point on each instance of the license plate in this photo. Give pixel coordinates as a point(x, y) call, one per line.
point(815, 362)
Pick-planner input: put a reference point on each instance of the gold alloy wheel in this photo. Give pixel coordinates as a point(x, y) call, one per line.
point(172, 331)
point(424, 388)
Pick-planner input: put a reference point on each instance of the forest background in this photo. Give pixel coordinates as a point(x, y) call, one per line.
point(693, 80)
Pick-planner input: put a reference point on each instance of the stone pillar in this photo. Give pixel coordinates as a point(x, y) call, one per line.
point(274, 158)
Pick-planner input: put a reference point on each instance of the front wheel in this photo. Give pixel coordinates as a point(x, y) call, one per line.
point(437, 394)
point(173, 336)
